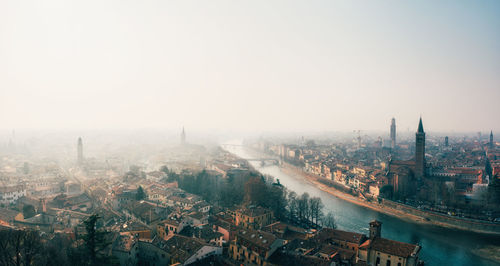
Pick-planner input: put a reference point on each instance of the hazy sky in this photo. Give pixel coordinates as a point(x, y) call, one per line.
point(265, 65)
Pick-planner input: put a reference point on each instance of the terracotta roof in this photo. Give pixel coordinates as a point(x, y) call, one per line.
point(286, 231)
point(344, 254)
point(257, 241)
point(402, 163)
point(333, 234)
point(392, 247)
point(284, 258)
point(180, 247)
point(328, 250)
point(253, 211)
point(171, 221)
point(8, 215)
point(207, 234)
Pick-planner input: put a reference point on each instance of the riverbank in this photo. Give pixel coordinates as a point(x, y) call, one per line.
point(398, 210)
point(350, 198)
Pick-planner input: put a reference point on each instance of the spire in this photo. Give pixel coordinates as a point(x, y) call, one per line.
point(183, 136)
point(420, 126)
point(491, 139)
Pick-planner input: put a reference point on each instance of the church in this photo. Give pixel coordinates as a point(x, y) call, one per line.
point(404, 176)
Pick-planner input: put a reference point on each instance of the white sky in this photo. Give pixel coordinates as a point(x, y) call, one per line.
point(250, 65)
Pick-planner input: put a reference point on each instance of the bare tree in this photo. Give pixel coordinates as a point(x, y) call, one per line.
point(316, 210)
point(292, 205)
point(303, 208)
point(19, 247)
point(329, 221)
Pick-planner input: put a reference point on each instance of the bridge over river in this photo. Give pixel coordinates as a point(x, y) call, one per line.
point(263, 160)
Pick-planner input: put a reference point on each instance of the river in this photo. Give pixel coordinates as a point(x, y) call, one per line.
point(440, 246)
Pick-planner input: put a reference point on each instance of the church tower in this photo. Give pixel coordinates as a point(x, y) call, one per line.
point(183, 137)
point(393, 133)
point(420, 151)
point(375, 229)
point(491, 139)
point(80, 151)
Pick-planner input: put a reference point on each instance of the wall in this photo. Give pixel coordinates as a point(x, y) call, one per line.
point(462, 223)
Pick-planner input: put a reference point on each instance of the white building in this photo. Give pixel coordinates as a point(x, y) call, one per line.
point(10, 194)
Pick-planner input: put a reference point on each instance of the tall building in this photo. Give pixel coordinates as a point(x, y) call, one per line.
point(393, 133)
point(80, 151)
point(446, 141)
point(420, 151)
point(183, 137)
point(375, 229)
point(491, 139)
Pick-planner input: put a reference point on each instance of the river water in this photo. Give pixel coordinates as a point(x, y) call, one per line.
point(440, 246)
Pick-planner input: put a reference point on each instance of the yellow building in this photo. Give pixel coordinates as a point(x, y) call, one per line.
point(253, 247)
point(253, 217)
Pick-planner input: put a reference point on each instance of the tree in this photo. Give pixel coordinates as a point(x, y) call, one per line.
point(256, 191)
point(20, 247)
point(164, 169)
point(28, 211)
point(303, 208)
point(277, 200)
point(95, 242)
point(329, 221)
point(140, 195)
point(32, 247)
point(316, 210)
point(56, 251)
point(292, 205)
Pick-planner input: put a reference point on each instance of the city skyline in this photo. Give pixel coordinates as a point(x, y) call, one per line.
point(320, 66)
point(249, 132)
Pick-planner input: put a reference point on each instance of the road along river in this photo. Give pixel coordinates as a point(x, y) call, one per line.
point(440, 246)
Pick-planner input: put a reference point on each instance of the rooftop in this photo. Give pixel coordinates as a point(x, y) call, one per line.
point(333, 234)
point(253, 211)
point(392, 247)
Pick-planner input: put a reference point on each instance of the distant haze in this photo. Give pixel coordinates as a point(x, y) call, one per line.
point(250, 65)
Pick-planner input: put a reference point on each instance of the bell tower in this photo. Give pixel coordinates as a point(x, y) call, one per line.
point(420, 151)
point(393, 133)
point(183, 137)
point(491, 139)
point(375, 229)
point(80, 151)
